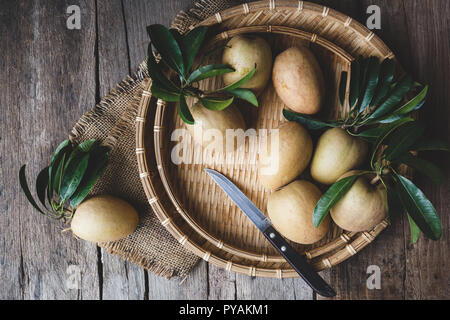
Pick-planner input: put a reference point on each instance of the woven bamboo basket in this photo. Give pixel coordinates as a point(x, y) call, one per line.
point(186, 200)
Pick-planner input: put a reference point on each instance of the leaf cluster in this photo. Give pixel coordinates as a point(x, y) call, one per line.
point(395, 144)
point(178, 53)
point(69, 178)
point(372, 95)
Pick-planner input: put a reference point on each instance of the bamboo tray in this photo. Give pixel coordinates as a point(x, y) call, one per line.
point(186, 200)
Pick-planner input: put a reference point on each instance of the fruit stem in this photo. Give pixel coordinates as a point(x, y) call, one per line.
point(375, 180)
point(378, 177)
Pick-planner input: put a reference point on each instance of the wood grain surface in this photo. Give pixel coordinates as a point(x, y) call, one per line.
point(51, 75)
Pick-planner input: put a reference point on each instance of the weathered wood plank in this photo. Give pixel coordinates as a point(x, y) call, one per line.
point(49, 79)
point(222, 284)
point(427, 265)
point(194, 287)
point(120, 278)
point(249, 288)
point(11, 261)
point(139, 14)
point(112, 45)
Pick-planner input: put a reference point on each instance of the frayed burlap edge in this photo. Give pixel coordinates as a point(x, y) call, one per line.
point(201, 10)
point(127, 253)
point(103, 106)
point(129, 115)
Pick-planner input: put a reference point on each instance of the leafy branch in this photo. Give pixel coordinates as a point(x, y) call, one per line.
point(373, 96)
point(69, 178)
point(178, 53)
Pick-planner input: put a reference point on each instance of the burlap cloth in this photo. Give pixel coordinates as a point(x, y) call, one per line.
point(112, 121)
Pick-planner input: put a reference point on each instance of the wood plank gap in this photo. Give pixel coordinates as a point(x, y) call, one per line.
point(97, 100)
point(207, 280)
point(146, 286)
point(126, 36)
point(97, 58)
point(100, 272)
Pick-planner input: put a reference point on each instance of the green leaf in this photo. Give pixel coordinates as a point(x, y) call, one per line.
point(412, 104)
point(427, 168)
point(42, 184)
point(402, 139)
point(59, 174)
point(430, 145)
point(387, 72)
point(372, 134)
point(388, 129)
point(331, 197)
point(370, 83)
point(78, 152)
point(209, 71)
point(309, 123)
point(167, 46)
point(244, 94)
point(184, 112)
point(240, 82)
point(394, 97)
point(64, 148)
point(216, 104)
point(154, 70)
point(354, 83)
point(392, 118)
point(415, 231)
point(178, 37)
point(158, 91)
point(419, 207)
point(98, 162)
point(86, 146)
point(364, 63)
point(26, 190)
point(343, 88)
point(190, 45)
point(73, 175)
point(389, 119)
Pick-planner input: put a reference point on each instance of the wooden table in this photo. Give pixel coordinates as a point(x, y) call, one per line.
point(51, 75)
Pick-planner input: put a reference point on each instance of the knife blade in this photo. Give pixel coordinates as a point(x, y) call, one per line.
point(297, 261)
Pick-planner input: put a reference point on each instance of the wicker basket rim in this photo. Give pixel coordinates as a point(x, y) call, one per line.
point(352, 245)
point(339, 241)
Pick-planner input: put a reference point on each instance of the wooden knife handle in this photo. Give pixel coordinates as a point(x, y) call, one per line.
point(299, 263)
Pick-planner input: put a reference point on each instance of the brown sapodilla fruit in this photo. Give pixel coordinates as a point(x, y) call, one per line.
point(279, 166)
point(336, 153)
point(243, 53)
point(291, 210)
point(362, 207)
point(298, 80)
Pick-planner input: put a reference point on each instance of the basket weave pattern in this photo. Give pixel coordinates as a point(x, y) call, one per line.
point(197, 212)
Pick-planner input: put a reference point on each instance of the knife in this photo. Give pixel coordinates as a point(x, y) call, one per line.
point(297, 261)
